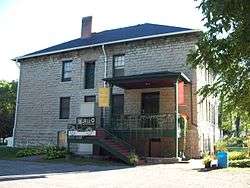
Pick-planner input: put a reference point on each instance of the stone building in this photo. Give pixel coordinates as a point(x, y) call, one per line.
point(152, 93)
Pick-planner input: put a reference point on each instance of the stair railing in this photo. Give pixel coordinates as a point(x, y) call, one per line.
point(131, 148)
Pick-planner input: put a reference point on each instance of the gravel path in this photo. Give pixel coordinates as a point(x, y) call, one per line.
point(19, 174)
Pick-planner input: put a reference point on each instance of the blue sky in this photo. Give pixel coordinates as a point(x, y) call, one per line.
point(30, 25)
point(4, 4)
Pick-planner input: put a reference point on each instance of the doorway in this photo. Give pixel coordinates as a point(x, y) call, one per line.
point(150, 103)
point(149, 108)
point(155, 147)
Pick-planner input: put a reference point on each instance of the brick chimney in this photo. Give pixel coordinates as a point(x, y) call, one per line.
point(86, 27)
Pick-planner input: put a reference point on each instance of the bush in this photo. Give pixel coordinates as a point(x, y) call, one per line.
point(235, 141)
point(237, 155)
point(221, 145)
point(207, 159)
point(26, 152)
point(53, 152)
point(240, 163)
point(133, 159)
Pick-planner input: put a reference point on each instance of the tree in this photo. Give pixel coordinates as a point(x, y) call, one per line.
point(224, 50)
point(7, 107)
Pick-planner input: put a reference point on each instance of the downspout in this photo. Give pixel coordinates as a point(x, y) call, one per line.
point(17, 102)
point(105, 64)
point(104, 84)
point(176, 118)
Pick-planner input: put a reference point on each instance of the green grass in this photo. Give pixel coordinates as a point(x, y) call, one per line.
point(8, 153)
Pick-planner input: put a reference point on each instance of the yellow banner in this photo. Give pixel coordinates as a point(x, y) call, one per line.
point(103, 97)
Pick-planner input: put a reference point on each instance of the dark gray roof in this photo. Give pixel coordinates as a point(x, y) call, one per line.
point(136, 32)
point(152, 79)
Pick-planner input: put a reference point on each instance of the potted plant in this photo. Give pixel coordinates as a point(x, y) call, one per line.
point(133, 159)
point(207, 159)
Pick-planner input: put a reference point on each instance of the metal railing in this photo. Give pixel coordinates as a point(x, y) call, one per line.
point(119, 140)
point(135, 122)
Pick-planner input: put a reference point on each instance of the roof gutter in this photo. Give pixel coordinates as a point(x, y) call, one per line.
point(107, 43)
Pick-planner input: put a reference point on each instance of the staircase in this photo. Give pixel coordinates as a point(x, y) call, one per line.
point(116, 146)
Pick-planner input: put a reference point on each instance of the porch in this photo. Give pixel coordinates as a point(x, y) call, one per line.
point(150, 115)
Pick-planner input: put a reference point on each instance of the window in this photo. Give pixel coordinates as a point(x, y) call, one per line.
point(118, 104)
point(118, 64)
point(64, 107)
point(89, 98)
point(89, 75)
point(66, 71)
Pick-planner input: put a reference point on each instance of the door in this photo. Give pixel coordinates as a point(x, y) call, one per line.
point(155, 147)
point(118, 104)
point(117, 111)
point(149, 107)
point(150, 103)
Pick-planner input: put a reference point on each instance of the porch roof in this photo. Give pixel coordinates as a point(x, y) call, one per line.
point(148, 80)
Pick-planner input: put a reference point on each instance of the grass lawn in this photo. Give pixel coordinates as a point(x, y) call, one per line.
point(7, 153)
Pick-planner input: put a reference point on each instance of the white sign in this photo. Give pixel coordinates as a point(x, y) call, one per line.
point(85, 133)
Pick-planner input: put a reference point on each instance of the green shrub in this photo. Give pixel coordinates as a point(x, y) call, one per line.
point(207, 159)
point(237, 155)
point(25, 152)
point(240, 163)
point(50, 152)
point(235, 141)
point(53, 152)
point(133, 159)
point(221, 145)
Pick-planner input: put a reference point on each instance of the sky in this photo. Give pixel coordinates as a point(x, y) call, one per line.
point(30, 25)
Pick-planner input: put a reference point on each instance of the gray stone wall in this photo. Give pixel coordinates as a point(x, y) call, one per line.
point(41, 87)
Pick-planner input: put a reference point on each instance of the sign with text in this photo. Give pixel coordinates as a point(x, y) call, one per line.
point(86, 121)
point(85, 126)
point(103, 97)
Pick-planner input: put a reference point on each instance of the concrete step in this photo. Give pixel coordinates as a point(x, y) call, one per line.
point(161, 160)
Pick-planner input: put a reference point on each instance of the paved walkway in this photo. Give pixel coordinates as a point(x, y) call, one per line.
point(19, 174)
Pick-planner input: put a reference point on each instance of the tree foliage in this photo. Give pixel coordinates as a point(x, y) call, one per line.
point(7, 107)
point(224, 49)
